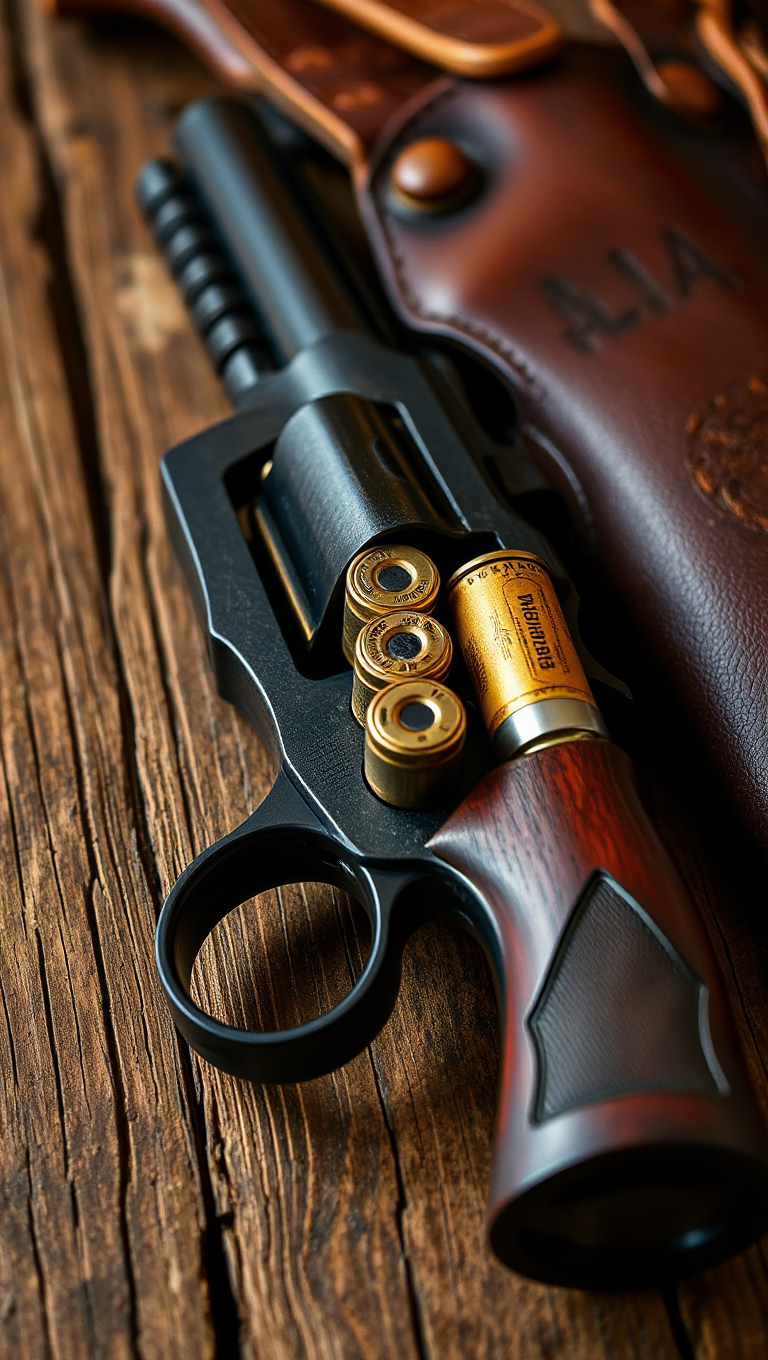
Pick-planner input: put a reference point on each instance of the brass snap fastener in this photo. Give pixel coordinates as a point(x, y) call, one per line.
point(691, 90)
point(433, 174)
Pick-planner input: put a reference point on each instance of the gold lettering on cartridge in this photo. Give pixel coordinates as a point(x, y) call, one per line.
point(513, 636)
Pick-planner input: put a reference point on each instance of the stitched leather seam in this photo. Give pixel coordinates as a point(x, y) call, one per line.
point(492, 339)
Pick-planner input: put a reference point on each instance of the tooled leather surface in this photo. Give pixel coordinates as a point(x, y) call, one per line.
point(478, 21)
point(587, 186)
point(359, 78)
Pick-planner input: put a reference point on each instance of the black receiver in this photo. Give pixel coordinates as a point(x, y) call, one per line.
point(652, 1159)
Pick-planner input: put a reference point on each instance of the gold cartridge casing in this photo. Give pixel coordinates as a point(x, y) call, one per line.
point(414, 738)
point(399, 646)
point(390, 576)
point(524, 667)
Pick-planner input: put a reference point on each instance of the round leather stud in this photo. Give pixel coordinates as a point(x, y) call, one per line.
point(692, 91)
point(432, 173)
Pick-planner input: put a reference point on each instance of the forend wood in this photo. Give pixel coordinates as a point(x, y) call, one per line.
point(560, 848)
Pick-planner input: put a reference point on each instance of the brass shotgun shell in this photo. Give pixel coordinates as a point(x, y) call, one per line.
point(391, 576)
point(404, 645)
point(414, 737)
point(524, 667)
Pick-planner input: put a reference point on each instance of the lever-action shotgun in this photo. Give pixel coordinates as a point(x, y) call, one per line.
point(315, 527)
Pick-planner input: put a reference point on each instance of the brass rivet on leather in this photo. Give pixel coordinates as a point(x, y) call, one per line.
point(691, 90)
point(414, 738)
point(432, 173)
point(391, 576)
point(404, 645)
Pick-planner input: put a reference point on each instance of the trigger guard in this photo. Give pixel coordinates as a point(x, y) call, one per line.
point(281, 842)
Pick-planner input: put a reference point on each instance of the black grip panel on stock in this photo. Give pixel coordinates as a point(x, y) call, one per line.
point(620, 1013)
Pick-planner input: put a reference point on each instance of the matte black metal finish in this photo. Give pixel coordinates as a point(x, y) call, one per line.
point(276, 257)
point(350, 435)
point(374, 851)
point(346, 472)
point(220, 308)
point(321, 822)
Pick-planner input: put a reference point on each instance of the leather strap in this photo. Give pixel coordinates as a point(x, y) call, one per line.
point(342, 85)
point(346, 86)
point(475, 38)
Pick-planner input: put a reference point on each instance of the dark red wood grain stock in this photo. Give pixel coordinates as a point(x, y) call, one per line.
point(529, 838)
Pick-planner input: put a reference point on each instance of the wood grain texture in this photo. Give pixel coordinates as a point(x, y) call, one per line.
point(723, 1311)
point(152, 1206)
point(104, 1266)
point(531, 837)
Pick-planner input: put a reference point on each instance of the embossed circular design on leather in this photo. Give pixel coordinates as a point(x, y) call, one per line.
point(728, 451)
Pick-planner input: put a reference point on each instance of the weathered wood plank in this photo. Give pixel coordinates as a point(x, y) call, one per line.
point(332, 1212)
point(102, 1238)
point(282, 1195)
point(349, 1209)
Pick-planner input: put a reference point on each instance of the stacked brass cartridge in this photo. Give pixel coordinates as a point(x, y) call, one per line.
point(403, 645)
point(525, 670)
point(414, 741)
point(415, 727)
point(391, 576)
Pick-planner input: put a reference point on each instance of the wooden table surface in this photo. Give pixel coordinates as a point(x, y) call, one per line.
point(152, 1207)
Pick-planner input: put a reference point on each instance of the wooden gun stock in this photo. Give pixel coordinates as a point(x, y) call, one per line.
point(627, 1139)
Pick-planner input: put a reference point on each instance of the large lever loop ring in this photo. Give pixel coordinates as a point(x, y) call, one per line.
point(281, 842)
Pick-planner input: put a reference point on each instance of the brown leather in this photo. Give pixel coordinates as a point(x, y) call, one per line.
point(344, 86)
point(659, 40)
point(615, 272)
point(477, 38)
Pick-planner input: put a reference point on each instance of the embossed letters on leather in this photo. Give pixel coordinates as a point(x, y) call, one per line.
point(587, 319)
